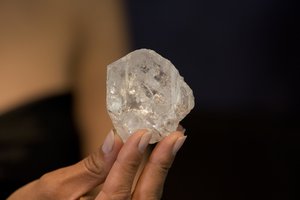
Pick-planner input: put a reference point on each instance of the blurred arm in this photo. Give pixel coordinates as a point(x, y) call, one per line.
point(104, 39)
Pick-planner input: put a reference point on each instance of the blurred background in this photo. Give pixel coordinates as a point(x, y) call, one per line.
point(242, 60)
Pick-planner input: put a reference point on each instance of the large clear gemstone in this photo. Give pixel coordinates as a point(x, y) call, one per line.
point(145, 91)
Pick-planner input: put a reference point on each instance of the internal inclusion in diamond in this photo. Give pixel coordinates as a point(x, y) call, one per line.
point(145, 91)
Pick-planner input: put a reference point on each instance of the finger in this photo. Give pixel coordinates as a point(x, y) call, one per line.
point(151, 182)
point(180, 128)
point(120, 179)
point(74, 181)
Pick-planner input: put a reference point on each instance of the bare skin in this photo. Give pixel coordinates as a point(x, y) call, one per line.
point(114, 168)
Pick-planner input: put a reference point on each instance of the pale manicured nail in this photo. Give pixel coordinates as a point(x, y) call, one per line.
point(108, 142)
point(178, 144)
point(181, 128)
point(145, 139)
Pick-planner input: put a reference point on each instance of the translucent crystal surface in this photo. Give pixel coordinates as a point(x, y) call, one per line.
point(145, 91)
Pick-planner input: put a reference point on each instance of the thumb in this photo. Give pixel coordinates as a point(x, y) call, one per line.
point(74, 181)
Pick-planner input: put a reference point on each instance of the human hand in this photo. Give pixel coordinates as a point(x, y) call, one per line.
point(114, 167)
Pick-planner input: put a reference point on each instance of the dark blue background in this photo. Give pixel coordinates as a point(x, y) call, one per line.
point(234, 54)
point(242, 60)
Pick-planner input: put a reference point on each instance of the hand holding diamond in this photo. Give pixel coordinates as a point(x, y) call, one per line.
point(146, 100)
point(114, 167)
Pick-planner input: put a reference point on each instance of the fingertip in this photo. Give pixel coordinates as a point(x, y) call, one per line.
point(144, 141)
point(140, 132)
point(181, 128)
point(175, 135)
point(109, 142)
point(169, 146)
point(178, 144)
point(118, 139)
point(141, 135)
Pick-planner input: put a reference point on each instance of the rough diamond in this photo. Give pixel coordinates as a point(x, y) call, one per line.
point(145, 91)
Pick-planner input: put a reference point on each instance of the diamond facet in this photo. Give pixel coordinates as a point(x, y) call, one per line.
point(145, 91)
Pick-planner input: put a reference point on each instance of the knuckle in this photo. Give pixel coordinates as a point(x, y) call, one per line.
point(121, 195)
point(94, 164)
point(162, 166)
point(129, 165)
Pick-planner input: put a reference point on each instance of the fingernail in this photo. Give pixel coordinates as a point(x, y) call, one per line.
point(145, 139)
point(108, 142)
point(178, 144)
point(181, 128)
